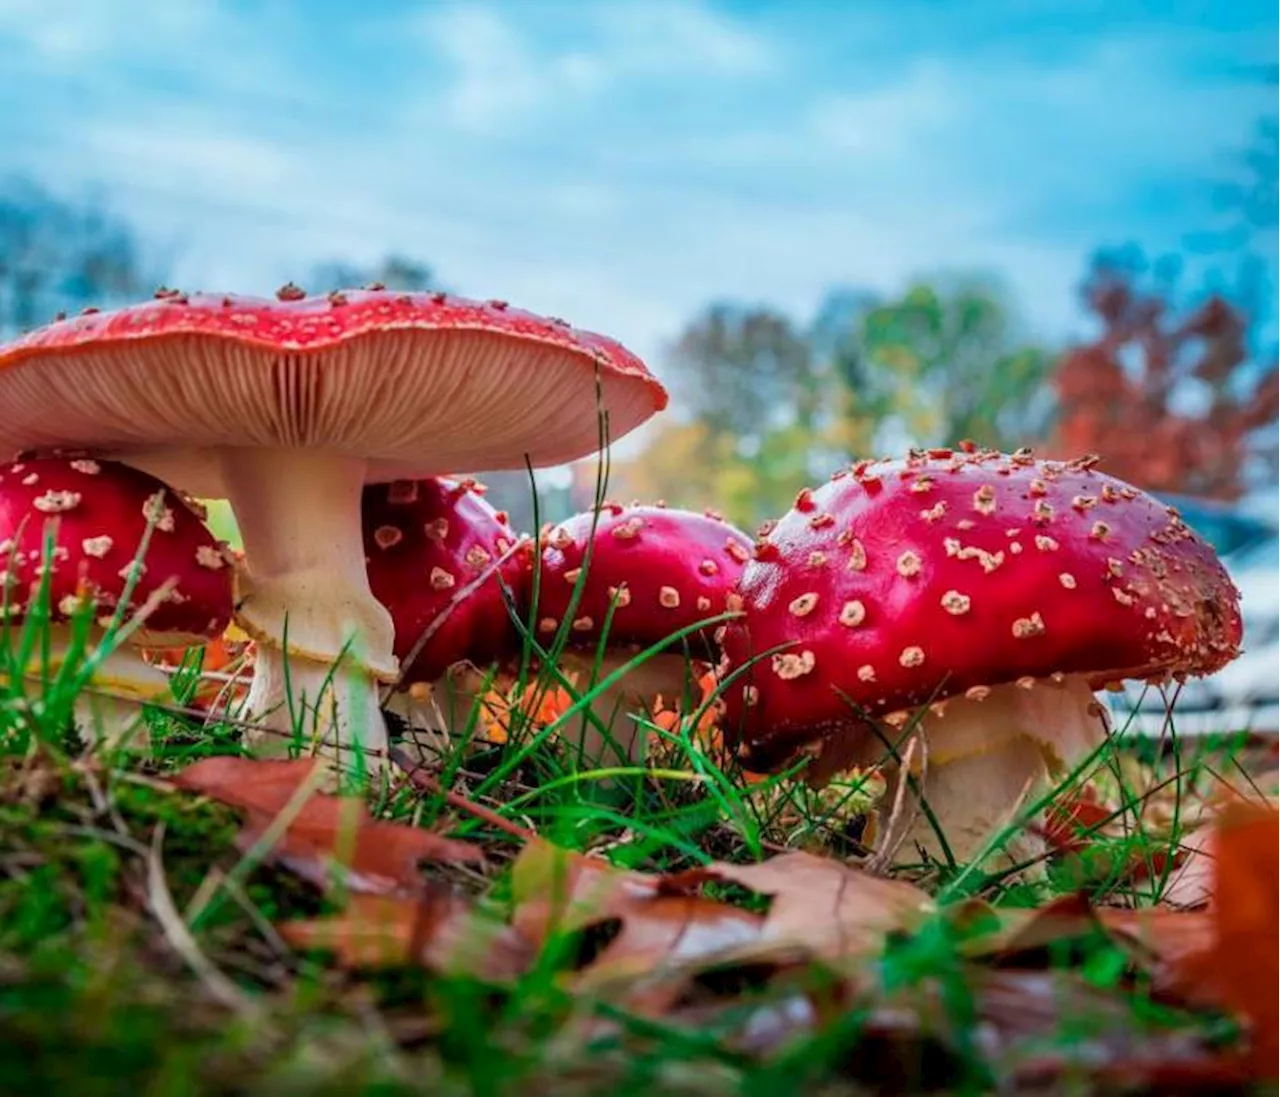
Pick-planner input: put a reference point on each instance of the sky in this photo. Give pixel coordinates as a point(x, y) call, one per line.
point(623, 163)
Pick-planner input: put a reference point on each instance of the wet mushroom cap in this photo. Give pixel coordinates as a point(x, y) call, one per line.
point(662, 569)
point(101, 510)
point(426, 541)
point(903, 582)
point(417, 383)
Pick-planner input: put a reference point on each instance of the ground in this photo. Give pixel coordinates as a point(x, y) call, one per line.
point(158, 938)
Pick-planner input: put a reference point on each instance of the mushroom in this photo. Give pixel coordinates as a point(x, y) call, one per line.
point(287, 409)
point(996, 589)
point(438, 557)
point(651, 572)
point(107, 525)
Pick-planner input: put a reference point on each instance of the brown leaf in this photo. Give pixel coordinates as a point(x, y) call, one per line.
point(662, 939)
point(826, 907)
point(321, 832)
point(436, 930)
point(1241, 969)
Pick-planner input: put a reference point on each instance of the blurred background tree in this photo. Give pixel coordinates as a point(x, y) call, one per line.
point(1172, 401)
point(396, 272)
point(61, 256)
point(768, 405)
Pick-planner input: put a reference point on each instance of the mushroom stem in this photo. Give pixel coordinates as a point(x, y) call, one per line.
point(990, 757)
point(108, 711)
point(324, 641)
point(667, 675)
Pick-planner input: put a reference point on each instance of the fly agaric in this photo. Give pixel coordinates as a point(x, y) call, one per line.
point(287, 408)
point(997, 589)
point(652, 571)
point(96, 515)
point(438, 557)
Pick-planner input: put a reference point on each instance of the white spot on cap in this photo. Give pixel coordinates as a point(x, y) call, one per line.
point(402, 491)
point(206, 556)
point(97, 547)
point(788, 665)
point(956, 603)
point(1024, 628)
point(1067, 580)
point(852, 613)
point(477, 556)
point(437, 529)
point(154, 511)
point(866, 673)
point(89, 468)
point(55, 502)
point(441, 579)
point(912, 656)
point(908, 564)
point(386, 537)
point(803, 605)
point(668, 597)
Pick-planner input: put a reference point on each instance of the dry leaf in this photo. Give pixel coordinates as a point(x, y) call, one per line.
point(325, 832)
point(1241, 969)
point(826, 907)
point(437, 930)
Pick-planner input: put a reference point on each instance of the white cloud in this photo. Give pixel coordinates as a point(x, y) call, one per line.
point(890, 119)
point(500, 72)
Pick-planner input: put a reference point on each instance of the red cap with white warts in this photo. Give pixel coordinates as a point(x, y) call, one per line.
point(662, 570)
point(426, 542)
point(902, 582)
point(418, 383)
point(102, 511)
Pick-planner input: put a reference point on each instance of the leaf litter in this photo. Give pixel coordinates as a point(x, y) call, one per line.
point(651, 943)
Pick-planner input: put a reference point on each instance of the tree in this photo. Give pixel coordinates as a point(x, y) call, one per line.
point(61, 256)
point(944, 363)
point(742, 370)
point(770, 405)
point(1171, 402)
point(396, 272)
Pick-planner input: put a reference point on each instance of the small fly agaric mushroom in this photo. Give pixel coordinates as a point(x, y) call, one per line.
point(97, 515)
point(651, 572)
point(438, 557)
point(287, 409)
point(999, 590)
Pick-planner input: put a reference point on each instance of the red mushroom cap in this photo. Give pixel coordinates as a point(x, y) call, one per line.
point(901, 582)
point(419, 383)
point(425, 541)
point(676, 568)
point(102, 509)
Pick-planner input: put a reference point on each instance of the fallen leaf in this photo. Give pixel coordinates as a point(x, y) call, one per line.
point(826, 907)
point(663, 939)
point(324, 833)
point(1241, 969)
point(436, 930)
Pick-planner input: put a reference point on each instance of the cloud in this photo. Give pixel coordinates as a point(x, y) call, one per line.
point(502, 72)
point(623, 163)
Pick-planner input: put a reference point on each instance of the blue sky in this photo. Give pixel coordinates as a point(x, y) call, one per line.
point(622, 163)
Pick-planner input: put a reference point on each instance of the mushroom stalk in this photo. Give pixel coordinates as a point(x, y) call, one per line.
point(666, 675)
point(324, 642)
point(108, 711)
point(989, 755)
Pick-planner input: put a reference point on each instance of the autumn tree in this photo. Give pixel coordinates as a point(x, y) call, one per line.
point(60, 256)
point(946, 362)
point(1171, 401)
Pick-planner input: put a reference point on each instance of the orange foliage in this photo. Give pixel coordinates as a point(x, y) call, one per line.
point(1117, 394)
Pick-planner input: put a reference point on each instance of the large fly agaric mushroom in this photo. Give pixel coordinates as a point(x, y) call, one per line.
point(651, 571)
point(998, 590)
point(287, 409)
point(97, 516)
point(439, 557)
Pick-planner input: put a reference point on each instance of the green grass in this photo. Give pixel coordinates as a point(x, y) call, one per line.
point(100, 996)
